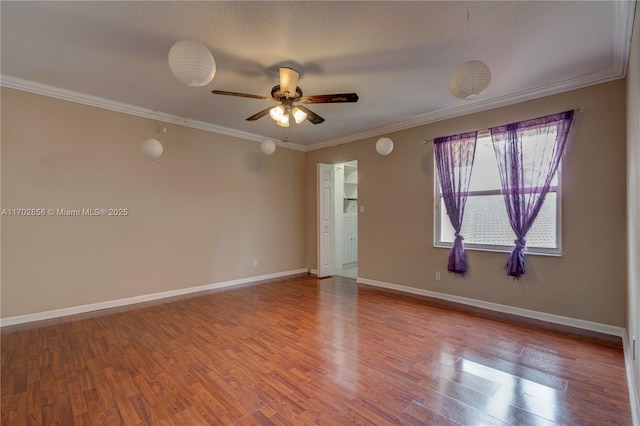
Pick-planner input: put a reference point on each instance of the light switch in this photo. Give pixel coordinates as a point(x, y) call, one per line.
point(361, 209)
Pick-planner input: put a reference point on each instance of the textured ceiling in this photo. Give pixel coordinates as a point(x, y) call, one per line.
point(396, 55)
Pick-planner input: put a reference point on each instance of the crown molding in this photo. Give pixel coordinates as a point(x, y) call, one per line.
point(478, 106)
point(624, 12)
point(623, 16)
point(95, 101)
point(617, 71)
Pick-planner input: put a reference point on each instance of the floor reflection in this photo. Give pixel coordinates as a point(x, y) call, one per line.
point(350, 272)
point(515, 392)
point(338, 307)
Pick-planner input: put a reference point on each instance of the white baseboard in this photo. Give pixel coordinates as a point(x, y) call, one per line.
point(313, 271)
point(634, 401)
point(39, 316)
point(557, 319)
point(542, 316)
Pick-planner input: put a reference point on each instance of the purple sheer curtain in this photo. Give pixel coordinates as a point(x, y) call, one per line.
point(454, 161)
point(528, 155)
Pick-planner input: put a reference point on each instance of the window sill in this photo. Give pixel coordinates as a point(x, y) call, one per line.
point(493, 249)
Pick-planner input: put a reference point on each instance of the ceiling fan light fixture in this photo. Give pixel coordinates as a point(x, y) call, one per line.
point(277, 112)
point(298, 115)
point(192, 63)
point(469, 80)
point(283, 121)
point(289, 81)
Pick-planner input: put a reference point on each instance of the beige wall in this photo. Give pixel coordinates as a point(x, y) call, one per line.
point(212, 203)
point(633, 195)
point(200, 215)
point(396, 231)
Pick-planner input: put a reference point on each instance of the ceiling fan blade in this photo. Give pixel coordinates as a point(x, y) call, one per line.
point(289, 80)
point(259, 114)
point(242, 95)
point(311, 116)
point(328, 99)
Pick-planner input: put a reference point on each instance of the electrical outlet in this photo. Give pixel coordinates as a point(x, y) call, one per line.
point(255, 263)
point(437, 275)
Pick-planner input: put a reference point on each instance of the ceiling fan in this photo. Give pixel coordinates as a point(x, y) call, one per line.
point(288, 92)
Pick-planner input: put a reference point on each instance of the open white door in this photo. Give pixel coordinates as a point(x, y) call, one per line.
point(326, 221)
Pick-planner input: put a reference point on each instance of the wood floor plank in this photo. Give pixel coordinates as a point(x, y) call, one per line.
point(299, 350)
point(417, 415)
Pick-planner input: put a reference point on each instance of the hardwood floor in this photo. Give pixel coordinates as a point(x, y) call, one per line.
point(305, 351)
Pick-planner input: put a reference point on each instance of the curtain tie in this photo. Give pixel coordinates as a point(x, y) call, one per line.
point(520, 243)
point(458, 236)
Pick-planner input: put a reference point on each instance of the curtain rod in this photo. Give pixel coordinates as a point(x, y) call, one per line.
point(426, 141)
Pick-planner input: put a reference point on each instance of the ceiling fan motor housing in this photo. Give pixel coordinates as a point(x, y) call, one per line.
point(280, 96)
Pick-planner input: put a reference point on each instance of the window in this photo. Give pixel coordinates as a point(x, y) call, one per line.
point(486, 225)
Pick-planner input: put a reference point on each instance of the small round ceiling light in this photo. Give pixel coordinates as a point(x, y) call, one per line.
point(384, 146)
point(268, 146)
point(152, 148)
point(192, 63)
point(469, 80)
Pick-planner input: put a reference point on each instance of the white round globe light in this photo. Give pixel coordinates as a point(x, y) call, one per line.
point(268, 146)
point(469, 80)
point(152, 148)
point(192, 63)
point(384, 146)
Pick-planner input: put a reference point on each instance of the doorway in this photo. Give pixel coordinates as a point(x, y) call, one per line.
point(346, 219)
point(338, 219)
